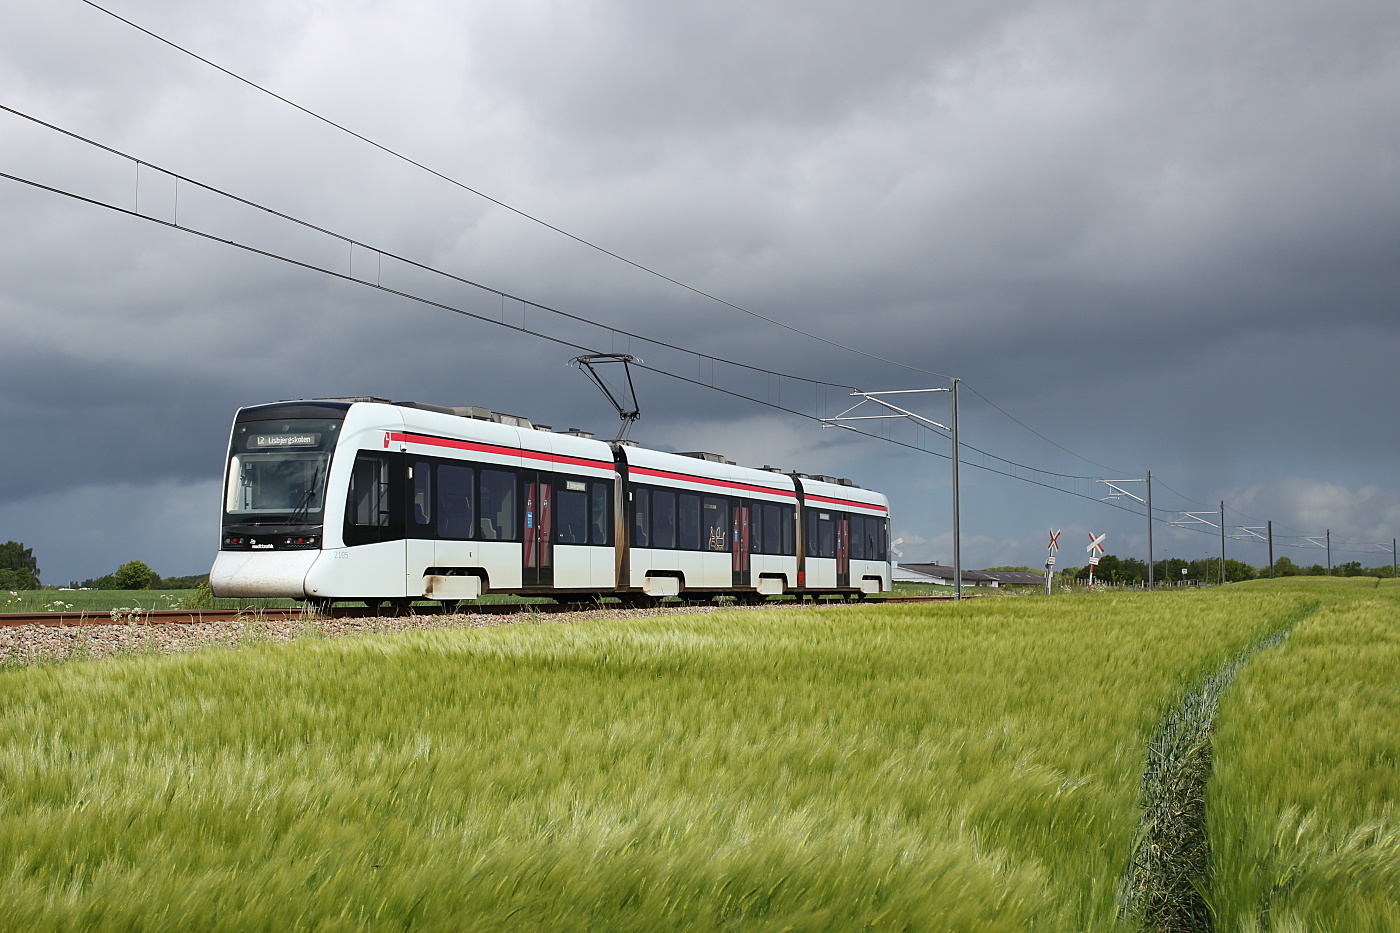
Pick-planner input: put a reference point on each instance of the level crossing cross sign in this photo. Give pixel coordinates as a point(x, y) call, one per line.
point(1054, 546)
point(1095, 544)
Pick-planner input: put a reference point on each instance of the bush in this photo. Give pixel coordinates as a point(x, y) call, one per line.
point(18, 580)
point(134, 575)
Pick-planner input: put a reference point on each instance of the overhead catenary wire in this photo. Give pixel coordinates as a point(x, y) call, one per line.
point(347, 277)
point(1008, 468)
point(583, 241)
point(394, 153)
point(378, 286)
point(498, 202)
point(1014, 469)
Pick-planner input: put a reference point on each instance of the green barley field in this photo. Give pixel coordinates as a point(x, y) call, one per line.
point(1305, 800)
point(932, 767)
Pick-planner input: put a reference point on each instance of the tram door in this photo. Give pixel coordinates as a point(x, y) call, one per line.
point(843, 551)
point(538, 525)
point(742, 576)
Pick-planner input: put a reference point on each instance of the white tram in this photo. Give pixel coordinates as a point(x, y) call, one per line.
point(391, 502)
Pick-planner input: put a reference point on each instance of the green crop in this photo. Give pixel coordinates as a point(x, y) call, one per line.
point(1304, 806)
point(911, 767)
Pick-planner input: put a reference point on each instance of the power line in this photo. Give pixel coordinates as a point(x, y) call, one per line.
point(556, 340)
point(1009, 468)
point(592, 245)
point(536, 333)
point(410, 262)
point(499, 203)
point(1042, 436)
point(1015, 469)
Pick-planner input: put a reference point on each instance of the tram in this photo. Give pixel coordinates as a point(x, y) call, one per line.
point(368, 500)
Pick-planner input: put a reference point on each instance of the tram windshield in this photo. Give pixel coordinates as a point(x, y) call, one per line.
point(277, 471)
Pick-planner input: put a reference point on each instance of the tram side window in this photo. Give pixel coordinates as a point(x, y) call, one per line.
point(821, 534)
point(688, 521)
point(600, 511)
point(641, 518)
point(571, 512)
point(756, 527)
point(789, 529)
point(456, 508)
point(497, 505)
point(663, 520)
point(421, 514)
point(716, 518)
point(368, 510)
point(773, 528)
point(882, 547)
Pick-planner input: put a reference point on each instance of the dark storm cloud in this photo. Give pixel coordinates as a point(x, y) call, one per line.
point(1166, 235)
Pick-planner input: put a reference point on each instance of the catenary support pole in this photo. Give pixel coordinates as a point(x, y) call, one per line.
point(1271, 550)
point(1394, 564)
point(957, 517)
point(1329, 552)
point(1222, 542)
point(1151, 579)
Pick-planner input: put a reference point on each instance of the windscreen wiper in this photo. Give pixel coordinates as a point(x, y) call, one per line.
point(304, 506)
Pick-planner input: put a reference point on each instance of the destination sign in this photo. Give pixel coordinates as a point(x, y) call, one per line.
point(285, 440)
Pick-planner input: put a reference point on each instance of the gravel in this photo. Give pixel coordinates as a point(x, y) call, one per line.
point(48, 644)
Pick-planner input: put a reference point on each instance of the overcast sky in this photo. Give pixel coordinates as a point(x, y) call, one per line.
point(1163, 235)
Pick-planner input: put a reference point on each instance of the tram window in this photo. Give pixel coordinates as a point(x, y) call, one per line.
point(756, 527)
point(600, 513)
point(368, 505)
point(422, 512)
point(821, 534)
point(497, 512)
point(688, 521)
point(789, 524)
point(663, 519)
point(570, 514)
point(716, 518)
point(772, 528)
point(370, 512)
point(809, 522)
point(826, 535)
point(641, 518)
point(882, 547)
point(455, 505)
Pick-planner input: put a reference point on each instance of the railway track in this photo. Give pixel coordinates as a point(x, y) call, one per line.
point(196, 616)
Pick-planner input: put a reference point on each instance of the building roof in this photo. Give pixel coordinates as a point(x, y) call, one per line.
point(938, 573)
point(1017, 577)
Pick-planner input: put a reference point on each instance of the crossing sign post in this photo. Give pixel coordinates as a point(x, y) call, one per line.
point(1050, 558)
point(1095, 548)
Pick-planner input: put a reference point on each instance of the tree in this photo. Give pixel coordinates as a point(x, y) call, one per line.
point(1284, 567)
point(134, 575)
point(1351, 568)
point(18, 568)
point(1237, 571)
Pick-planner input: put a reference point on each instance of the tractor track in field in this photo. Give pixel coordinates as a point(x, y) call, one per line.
point(1164, 889)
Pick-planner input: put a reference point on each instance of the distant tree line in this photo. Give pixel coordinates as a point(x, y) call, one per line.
point(1130, 570)
point(19, 570)
point(137, 575)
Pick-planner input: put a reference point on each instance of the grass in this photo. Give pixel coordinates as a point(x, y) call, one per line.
point(916, 767)
point(1304, 806)
point(104, 601)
